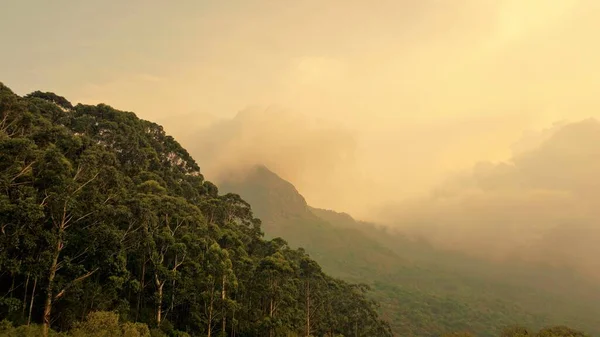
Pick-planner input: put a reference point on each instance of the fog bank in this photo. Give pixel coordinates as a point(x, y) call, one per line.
point(543, 204)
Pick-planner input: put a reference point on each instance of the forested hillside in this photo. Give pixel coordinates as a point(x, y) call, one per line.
point(106, 221)
point(424, 291)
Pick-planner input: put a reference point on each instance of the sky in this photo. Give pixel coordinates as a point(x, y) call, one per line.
point(399, 93)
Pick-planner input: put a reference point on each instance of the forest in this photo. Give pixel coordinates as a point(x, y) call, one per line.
point(107, 220)
point(108, 228)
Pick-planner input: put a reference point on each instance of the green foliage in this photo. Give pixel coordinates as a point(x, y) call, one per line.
point(106, 324)
point(516, 331)
point(34, 330)
point(103, 213)
point(560, 331)
point(422, 291)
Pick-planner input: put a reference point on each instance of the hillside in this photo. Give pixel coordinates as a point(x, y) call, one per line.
point(424, 291)
point(107, 228)
point(285, 213)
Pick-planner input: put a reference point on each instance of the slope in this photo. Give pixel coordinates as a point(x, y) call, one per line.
point(102, 211)
point(285, 213)
point(424, 291)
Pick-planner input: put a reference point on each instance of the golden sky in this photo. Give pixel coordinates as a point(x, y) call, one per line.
point(425, 86)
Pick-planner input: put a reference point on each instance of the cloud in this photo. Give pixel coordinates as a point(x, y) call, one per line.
point(542, 205)
point(308, 151)
point(317, 71)
point(517, 19)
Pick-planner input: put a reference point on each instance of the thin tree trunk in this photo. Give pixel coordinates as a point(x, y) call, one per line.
point(159, 286)
point(224, 310)
point(51, 275)
point(271, 316)
point(173, 297)
point(143, 280)
point(174, 279)
point(174, 270)
point(210, 312)
point(233, 327)
point(83, 310)
point(31, 303)
point(159, 308)
point(12, 285)
point(25, 296)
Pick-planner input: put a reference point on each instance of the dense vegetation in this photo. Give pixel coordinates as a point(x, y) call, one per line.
point(423, 291)
point(95, 324)
point(107, 228)
point(108, 324)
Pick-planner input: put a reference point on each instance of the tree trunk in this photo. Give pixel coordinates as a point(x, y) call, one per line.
point(25, 297)
point(233, 327)
point(173, 297)
point(271, 316)
point(142, 285)
point(173, 284)
point(159, 286)
point(31, 303)
point(12, 285)
point(223, 310)
point(210, 312)
point(51, 275)
point(210, 308)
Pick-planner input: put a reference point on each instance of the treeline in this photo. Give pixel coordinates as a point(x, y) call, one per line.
point(106, 220)
point(104, 324)
point(518, 331)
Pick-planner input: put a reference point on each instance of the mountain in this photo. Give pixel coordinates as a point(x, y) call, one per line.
point(285, 213)
point(107, 228)
point(424, 290)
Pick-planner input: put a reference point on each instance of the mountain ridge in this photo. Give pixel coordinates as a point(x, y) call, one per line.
point(284, 212)
point(412, 279)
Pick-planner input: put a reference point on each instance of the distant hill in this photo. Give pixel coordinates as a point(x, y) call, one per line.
point(285, 213)
point(424, 291)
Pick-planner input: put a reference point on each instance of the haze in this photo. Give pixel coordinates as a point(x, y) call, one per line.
point(358, 103)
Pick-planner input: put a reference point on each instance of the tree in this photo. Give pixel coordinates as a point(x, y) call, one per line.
point(515, 331)
point(103, 213)
point(560, 331)
point(62, 185)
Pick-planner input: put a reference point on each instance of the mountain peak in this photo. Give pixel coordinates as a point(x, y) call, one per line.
point(266, 191)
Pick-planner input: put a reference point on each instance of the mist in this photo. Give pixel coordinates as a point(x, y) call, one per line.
point(422, 115)
point(541, 205)
point(317, 155)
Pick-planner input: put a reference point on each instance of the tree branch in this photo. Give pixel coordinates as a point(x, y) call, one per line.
point(77, 280)
point(84, 184)
point(23, 171)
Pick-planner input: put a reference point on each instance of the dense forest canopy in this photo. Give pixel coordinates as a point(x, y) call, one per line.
point(105, 220)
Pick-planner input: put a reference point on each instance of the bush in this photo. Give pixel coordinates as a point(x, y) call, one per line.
point(106, 324)
point(34, 330)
